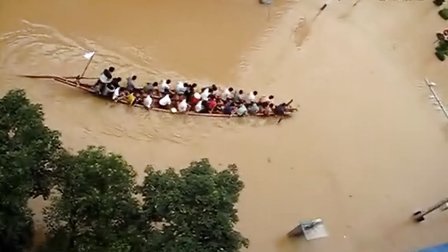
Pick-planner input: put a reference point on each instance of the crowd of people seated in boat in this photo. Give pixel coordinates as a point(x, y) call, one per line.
point(185, 97)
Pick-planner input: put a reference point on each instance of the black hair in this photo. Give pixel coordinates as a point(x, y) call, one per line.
point(204, 103)
point(255, 92)
point(134, 77)
point(230, 89)
point(271, 97)
point(168, 81)
point(214, 87)
point(241, 91)
point(271, 105)
point(155, 84)
point(118, 79)
point(111, 69)
point(194, 85)
point(185, 84)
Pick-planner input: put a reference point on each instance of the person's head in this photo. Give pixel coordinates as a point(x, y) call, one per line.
point(240, 92)
point(255, 92)
point(118, 79)
point(271, 97)
point(185, 84)
point(214, 87)
point(204, 103)
point(271, 105)
point(111, 69)
point(155, 84)
point(168, 81)
point(230, 89)
point(134, 77)
point(194, 85)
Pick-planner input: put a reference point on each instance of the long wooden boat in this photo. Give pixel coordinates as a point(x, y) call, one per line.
point(77, 83)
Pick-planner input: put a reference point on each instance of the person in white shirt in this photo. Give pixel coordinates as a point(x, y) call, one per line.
point(165, 102)
point(181, 87)
point(147, 102)
point(116, 94)
point(227, 94)
point(165, 86)
point(182, 107)
point(200, 106)
point(251, 97)
point(205, 94)
point(266, 100)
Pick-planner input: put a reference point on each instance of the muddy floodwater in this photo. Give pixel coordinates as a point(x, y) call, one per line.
point(367, 148)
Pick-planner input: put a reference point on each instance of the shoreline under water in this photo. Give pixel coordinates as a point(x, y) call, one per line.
point(366, 149)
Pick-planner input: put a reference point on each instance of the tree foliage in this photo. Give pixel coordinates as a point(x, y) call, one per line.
point(28, 148)
point(28, 153)
point(95, 208)
point(193, 211)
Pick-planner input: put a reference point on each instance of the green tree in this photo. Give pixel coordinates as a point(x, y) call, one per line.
point(193, 211)
point(95, 209)
point(28, 153)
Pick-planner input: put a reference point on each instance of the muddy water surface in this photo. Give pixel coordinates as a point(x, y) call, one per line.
point(367, 148)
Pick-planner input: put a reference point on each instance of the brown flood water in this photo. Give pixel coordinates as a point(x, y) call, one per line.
point(367, 148)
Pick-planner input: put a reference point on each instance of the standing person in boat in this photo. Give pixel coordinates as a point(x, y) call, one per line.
point(183, 106)
point(165, 102)
point(130, 85)
point(105, 78)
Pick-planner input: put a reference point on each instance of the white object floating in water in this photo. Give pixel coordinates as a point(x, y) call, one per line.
point(173, 110)
point(317, 230)
point(431, 97)
point(89, 55)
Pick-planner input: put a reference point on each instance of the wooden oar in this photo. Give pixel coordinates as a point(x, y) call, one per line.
point(54, 76)
point(39, 76)
point(80, 78)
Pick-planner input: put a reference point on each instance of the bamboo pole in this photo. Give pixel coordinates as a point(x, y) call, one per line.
point(430, 86)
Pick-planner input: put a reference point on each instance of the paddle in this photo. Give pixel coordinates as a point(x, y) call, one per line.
point(54, 76)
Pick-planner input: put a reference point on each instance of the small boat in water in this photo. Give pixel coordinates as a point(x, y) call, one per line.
point(80, 83)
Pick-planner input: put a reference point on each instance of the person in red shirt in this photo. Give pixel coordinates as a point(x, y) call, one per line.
point(212, 103)
point(195, 98)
